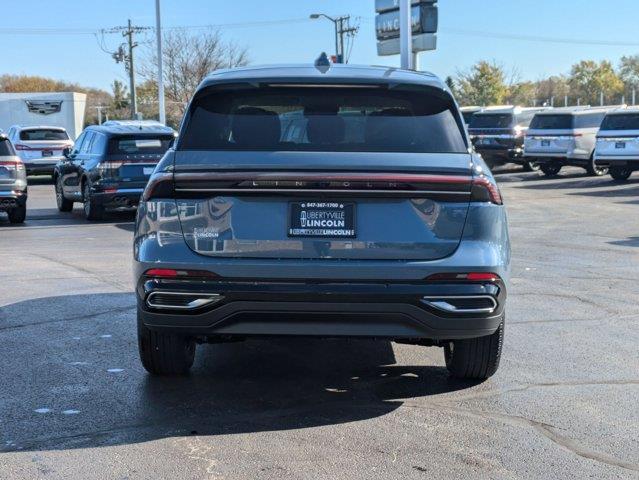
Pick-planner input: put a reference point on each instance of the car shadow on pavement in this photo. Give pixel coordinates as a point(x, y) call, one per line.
point(74, 380)
point(633, 191)
point(629, 242)
point(40, 180)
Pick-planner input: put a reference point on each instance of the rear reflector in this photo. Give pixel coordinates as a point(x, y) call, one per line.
point(470, 277)
point(172, 273)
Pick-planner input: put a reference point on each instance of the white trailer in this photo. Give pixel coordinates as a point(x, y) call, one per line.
point(60, 109)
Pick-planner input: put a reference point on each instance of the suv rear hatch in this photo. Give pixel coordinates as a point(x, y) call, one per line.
point(619, 136)
point(131, 159)
point(310, 172)
point(550, 134)
point(42, 145)
point(492, 130)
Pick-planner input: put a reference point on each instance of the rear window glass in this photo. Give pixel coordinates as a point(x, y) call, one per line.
point(43, 134)
point(551, 122)
point(338, 119)
point(132, 145)
point(621, 122)
point(590, 120)
point(468, 116)
point(6, 149)
point(492, 120)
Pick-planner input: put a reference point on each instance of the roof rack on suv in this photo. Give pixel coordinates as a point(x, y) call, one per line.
point(141, 123)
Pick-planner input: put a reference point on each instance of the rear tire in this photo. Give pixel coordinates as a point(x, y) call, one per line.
point(620, 173)
point(64, 205)
point(92, 211)
point(475, 358)
point(594, 170)
point(550, 169)
point(18, 214)
point(165, 353)
point(531, 166)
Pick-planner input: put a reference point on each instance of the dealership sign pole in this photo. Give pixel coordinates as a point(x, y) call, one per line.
point(406, 27)
point(405, 34)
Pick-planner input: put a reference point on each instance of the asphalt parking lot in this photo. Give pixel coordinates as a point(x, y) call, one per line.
point(76, 402)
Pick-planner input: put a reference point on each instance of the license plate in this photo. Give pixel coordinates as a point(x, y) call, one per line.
point(47, 153)
point(545, 143)
point(620, 145)
point(148, 170)
point(321, 219)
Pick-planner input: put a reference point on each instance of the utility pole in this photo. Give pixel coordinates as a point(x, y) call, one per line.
point(158, 31)
point(127, 57)
point(405, 34)
point(134, 102)
point(342, 28)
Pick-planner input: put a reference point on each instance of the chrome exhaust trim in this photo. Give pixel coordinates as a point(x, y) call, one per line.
point(162, 300)
point(445, 303)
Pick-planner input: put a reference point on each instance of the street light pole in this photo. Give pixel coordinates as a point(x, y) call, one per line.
point(158, 31)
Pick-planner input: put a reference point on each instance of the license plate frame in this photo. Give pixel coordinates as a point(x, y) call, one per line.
point(620, 145)
point(47, 153)
point(545, 143)
point(322, 219)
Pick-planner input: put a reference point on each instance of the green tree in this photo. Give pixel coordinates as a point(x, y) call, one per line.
point(483, 84)
point(629, 73)
point(522, 93)
point(552, 87)
point(589, 78)
point(120, 95)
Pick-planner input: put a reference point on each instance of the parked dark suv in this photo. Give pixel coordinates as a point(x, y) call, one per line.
point(322, 201)
point(109, 166)
point(498, 133)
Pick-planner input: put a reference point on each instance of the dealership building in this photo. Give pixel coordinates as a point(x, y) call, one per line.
point(61, 109)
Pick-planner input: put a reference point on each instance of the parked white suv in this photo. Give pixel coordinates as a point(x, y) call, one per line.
point(565, 136)
point(40, 147)
point(618, 143)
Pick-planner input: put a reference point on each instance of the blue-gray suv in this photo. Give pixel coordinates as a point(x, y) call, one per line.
point(323, 201)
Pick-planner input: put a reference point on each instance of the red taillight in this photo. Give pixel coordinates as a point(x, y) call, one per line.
point(470, 277)
point(19, 146)
point(172, 273)
point(12, 164)
point(485, 190)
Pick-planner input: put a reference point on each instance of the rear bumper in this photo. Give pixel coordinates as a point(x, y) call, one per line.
point(570, 158)
point(123, 198)
point(511, 153)
point(381, 310)
point(605, 161)
point(40, 167)
point(10, 200)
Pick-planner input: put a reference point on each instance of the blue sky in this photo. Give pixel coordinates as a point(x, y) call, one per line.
point(76, 56)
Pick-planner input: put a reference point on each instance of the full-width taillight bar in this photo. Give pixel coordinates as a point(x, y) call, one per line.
point(445, 187)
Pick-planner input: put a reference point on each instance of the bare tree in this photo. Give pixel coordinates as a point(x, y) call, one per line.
point(187, 59)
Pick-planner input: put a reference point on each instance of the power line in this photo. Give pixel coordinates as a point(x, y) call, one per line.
point(536, 38)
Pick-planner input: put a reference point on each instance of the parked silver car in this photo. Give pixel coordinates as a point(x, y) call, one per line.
point(565, 136)
point(40, 147)
point(618, 143)
point(13, 182)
